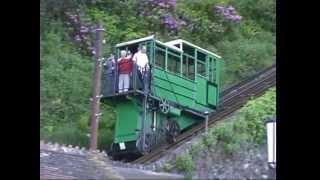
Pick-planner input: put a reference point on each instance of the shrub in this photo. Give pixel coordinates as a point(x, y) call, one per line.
point(167, 167)
point(210, 139)
point(68, 134)
point(226, 136)
point(196, 148)
point(247, 126)
point(255, 112)
point(105, 138)
point(184, 163)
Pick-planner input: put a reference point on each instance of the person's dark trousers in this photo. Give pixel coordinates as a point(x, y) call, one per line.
point(144, 81)
point(140, 80)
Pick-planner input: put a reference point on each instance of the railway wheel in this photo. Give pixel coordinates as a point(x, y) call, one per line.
point(164, 106)
point(144, 147)
point(148, 144)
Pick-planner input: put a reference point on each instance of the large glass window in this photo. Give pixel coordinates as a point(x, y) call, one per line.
point(201, 63)
point(188, 67)
point(174, 64)
point(201, 68)
point(188, 50)
point(160, 56)
point(201, 56)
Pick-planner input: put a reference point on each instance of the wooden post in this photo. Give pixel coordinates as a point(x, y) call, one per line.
point(95, 106)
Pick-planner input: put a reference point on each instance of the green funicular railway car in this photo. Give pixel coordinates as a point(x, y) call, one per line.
point(184, 84)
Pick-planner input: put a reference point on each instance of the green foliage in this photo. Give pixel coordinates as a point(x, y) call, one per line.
point(65, 78)
point(167, 167)
point(246, 126)
point(254, 113)
point(250, 29)
point(65, 88)
point(184, 163)
point(227, 137)
point(196, 148)
point(108, 117)
point(261, 11)
point(210, 139)
point(120, 19)
point(244, 57)
point(203, 20)
point(67, 134)
point(53, 10)
point(105, 138)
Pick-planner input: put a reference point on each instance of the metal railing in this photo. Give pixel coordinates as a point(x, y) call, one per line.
point(110, 80)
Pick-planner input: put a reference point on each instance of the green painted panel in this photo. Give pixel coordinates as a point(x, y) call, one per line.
point(200, 107)
point(173, 87)
point(127, 120)
point(177, 98)
point(201, 90)
point(185, 101)
point(212, 95)
point(174, 111)
point(163, 93)
point(173, 78)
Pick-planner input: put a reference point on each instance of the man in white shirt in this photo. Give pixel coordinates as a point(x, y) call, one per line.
point(140, 58)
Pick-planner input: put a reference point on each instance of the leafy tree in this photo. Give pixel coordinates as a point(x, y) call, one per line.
point(244, 57)
point(261, 11)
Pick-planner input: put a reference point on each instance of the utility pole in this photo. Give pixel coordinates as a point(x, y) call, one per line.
point(95, 104)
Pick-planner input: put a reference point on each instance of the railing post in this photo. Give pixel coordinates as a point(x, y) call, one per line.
point(206, 113)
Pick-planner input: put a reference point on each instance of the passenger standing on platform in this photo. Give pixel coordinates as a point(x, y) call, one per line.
point(125, 68)
point(109, 76)
point(142, 62)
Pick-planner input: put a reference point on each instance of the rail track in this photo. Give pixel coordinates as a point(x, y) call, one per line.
point(232, 99)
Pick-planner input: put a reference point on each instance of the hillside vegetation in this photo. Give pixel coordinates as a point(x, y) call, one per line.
point(241, 31)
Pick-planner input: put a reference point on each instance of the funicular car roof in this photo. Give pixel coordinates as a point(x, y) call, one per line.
point(169, 44)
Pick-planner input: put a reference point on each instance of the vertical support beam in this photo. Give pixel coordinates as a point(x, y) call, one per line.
point(116, 77)
point(181, 64)
point(95, 106)
point(187, 66)
point(144, 123)
point(195, 65)
point(152, 63)
point(208, 66)
point(166, 60)
point(153, 47)
point(217, 75)
point(206, 113)
point(213, 71)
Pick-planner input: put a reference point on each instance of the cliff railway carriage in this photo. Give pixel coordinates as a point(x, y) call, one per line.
point(184, 84)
